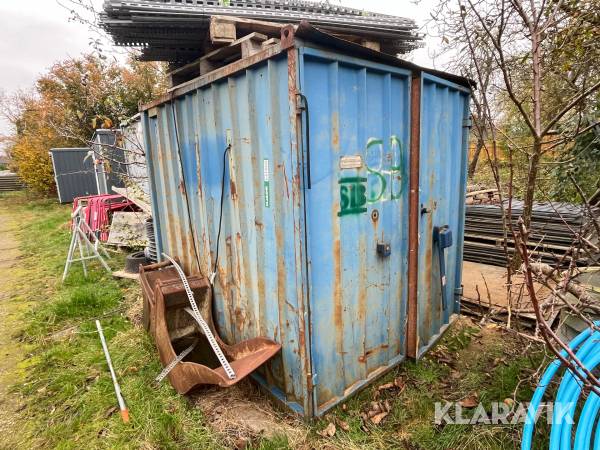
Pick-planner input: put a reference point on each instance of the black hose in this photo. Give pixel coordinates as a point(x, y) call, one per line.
point(228, 148)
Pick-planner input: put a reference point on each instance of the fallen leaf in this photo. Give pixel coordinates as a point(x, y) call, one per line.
point(470, 401)
point(387, 406)
point(377, 418)
point(445, 360)
point(329, 430)
point(344, 407)
point(375, 409)
point(385, 386)
point(241, 444)
point(509, 401)
point(399, 383)
point(110, 411)
point(343, 425)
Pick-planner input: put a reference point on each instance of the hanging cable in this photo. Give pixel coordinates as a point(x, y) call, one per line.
point(214, 272)
point(185, 192)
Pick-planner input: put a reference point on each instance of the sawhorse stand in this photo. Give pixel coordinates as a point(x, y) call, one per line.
point(89, 248)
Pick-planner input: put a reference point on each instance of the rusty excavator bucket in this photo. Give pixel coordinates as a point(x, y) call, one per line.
point(180, 329)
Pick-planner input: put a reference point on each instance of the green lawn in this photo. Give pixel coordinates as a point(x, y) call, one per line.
point(68, 395)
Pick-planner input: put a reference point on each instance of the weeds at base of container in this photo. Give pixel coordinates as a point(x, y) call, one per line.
point(69, 400)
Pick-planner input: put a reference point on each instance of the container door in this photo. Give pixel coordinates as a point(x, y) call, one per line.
point(357, 219)
point(442, 185)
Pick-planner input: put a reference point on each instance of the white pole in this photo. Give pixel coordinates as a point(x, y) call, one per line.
point(122, 405)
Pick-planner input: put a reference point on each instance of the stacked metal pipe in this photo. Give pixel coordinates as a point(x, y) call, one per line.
point(174, 30)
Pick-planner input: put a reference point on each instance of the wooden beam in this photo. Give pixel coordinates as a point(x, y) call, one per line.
point(242, 25)
point(373, 45)
point(238, 49)
point(222, 31)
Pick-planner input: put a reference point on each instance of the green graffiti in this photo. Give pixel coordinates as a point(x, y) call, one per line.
point(353, 197)
point(383, 181)
point(384, 171)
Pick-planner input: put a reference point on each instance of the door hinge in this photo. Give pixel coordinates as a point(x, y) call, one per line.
point(458, 292)
point(300, 105)
point(467, 123)
point(311, 381)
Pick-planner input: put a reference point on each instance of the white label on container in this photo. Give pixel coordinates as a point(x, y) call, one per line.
point(351, 162)
point(266, 183)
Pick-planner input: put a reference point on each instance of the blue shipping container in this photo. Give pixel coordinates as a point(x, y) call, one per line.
point(340, 162)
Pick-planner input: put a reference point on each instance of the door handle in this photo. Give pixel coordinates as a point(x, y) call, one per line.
point(442, 237)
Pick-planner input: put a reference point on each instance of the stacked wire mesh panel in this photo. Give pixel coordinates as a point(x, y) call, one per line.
point(176, 30)
point(553, 232)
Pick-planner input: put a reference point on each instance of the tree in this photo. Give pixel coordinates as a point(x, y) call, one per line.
point(544, 62)
point(68, 103)
point(542, 101)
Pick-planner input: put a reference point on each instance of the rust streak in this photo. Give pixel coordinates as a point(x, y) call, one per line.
point(287, 188)
point(413, 214)
point(233, 190)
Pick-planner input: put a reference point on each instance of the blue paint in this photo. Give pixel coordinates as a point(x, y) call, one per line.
point(442, 177)
point(292, 268)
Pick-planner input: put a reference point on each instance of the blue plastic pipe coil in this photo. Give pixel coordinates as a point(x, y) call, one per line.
point(587, 348)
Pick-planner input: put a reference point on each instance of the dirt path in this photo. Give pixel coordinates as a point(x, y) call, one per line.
point(11, 352)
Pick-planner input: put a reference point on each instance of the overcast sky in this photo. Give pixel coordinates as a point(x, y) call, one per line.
point(36, 33)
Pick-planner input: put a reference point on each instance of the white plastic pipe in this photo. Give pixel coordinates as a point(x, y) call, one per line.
point(122, 405)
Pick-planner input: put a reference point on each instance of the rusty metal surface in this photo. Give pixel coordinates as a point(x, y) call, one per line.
point(173, 329)
point(360, 133)
point(259, 287)
point(303, 266)
point(414, 211)
point(442, 188)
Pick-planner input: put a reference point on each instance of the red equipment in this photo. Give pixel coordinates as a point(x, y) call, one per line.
point(98, 211)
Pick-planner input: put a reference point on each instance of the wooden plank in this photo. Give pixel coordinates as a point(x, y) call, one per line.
point(130, 195)
point(483, 191)
point(271, 41)
point(222, 31)
point(127, 229)
point(373, 45)
point(240, 48)
point(211, 77)
point(233, 49)
point(242, 25)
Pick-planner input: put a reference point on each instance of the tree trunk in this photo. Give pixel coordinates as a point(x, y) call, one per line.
point(475, 159)
point(532, 174)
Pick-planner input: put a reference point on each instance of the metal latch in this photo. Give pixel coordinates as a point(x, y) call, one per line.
point(442, 237)
point(384, 249)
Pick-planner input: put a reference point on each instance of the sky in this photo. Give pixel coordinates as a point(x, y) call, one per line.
point(36, 33)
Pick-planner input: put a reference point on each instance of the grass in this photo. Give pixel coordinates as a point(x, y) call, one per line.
point(68, 396)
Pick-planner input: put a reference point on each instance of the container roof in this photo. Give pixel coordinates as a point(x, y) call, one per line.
point(310, 33)
point(303, 34)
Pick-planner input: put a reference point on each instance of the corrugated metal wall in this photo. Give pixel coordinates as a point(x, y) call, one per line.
point(358, 298)
point(360, 126)
point(443, 161)
point(259, 285)
point(73, 173)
